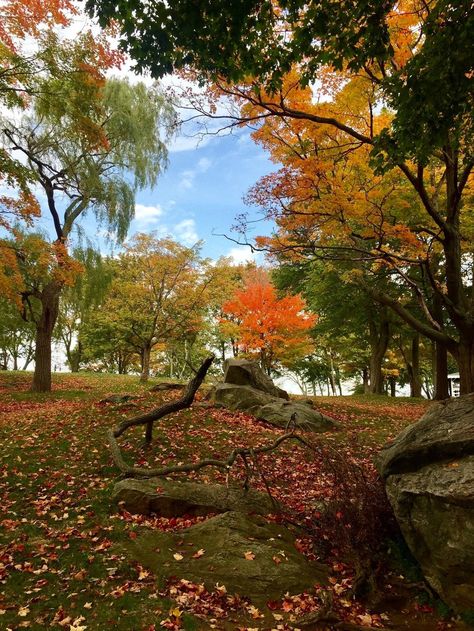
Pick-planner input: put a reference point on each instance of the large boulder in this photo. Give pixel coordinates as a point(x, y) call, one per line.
point(245, 554)
point(170, 498)
point(272, 409)
point(243, 372)
point(429, 471)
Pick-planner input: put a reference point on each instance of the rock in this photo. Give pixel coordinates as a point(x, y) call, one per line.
point(446, 430)
point(274, 410)
point(284, 414)
point(429, 471)
point(226, 541)
point(170, 498)
point(167, 385)
point(243, 372)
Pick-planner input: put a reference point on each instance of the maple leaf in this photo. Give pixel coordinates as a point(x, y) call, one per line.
point(249, 555)
point(23, 611)
point(198, 554)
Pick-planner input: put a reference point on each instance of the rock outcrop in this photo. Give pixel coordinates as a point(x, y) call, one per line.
point(243, 372)
point(254, 392)
point(237, 551)
point(429, 471)
point(170, 498)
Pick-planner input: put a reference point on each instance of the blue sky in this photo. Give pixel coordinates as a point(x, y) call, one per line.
point(200, 194)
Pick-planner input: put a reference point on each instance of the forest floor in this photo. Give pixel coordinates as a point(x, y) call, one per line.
point(61, 564)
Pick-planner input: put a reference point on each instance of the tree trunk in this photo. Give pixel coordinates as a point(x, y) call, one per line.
point(465, 359)
point(393, 386)
point(365, 380)
point(378, 346)
point(441, 372)
point(332, 375)
point(44, 332)
point(414, 368)
point(145, 374)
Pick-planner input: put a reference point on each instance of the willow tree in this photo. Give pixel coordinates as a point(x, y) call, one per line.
point(89, 144)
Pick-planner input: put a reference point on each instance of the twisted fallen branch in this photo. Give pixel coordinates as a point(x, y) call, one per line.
point(174, 406)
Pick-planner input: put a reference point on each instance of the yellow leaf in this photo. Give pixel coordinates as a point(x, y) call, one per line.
point(178, 556)
point(249, 555)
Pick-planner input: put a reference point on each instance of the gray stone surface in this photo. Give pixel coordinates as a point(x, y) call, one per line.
point(167, 385)
point(243, 372)
point(274, 410)
point(446, 430)
point(429, 471)
point(225, 540)
point(170, 498)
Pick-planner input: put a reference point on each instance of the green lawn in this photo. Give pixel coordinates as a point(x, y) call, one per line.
point(61, 560)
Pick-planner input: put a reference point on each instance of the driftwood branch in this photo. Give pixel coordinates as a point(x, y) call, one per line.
point(243, 452)
point(167, 408)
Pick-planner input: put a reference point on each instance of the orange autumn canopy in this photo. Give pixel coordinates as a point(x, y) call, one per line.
point(275, 329)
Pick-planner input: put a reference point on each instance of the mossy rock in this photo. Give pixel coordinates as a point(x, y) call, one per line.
point(244, 553)
point(171, 498)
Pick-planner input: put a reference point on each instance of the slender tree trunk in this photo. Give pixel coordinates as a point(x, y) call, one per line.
point(222, 352)
point(365, 380)
point(332, 375)
point(145, 374)
point(393, 386)
point(414, 368)
point(29, 356)
point(378, 345)
point(44, 332)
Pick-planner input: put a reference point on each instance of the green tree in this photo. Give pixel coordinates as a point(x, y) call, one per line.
point(16, 337)
point(92, 143)
point(159, 293)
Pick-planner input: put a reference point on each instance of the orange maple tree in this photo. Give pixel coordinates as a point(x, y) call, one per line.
point(273, 329)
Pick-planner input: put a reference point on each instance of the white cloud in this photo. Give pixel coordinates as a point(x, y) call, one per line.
point(188, 176)
point(242, 254)
point(204, 164)
point(185, 231)
point(147, 214)
point(187, 179)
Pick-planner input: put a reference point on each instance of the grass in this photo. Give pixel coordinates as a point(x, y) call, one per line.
point(61, 564)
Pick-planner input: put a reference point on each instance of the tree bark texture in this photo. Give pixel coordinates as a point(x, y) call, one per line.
point(44, 332)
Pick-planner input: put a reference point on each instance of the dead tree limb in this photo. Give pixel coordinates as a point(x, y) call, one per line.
point(244, 452)
point(167, 408)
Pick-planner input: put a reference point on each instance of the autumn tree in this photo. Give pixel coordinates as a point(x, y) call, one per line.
point(361, 57)
point(16, 338)
point(158, 294)
point(265, 326)
point(89, 145)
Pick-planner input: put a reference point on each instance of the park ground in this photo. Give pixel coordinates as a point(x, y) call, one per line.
point(62, 542)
